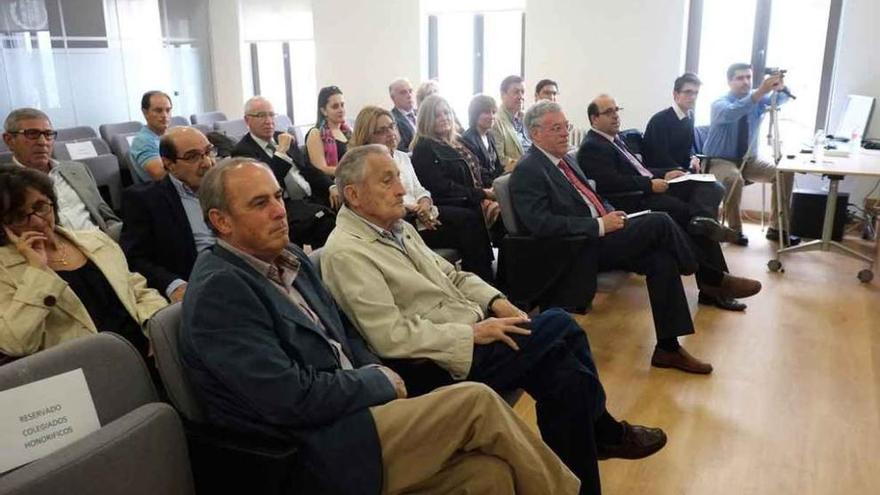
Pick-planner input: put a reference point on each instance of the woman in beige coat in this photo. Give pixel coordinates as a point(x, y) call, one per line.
point(57, 284)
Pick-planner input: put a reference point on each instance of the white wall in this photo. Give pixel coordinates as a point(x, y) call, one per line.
point(226, 56)
point(362, 45)
point(632, 49)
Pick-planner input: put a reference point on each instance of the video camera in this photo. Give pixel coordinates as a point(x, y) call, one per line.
point(772, 71)
point(776, 71)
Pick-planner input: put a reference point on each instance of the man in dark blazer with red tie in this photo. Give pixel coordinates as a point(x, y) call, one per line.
point(553, 198)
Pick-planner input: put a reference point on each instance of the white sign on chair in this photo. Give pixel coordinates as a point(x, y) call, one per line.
point(43, 416)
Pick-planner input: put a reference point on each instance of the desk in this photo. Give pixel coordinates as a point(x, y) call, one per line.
point(866, 163)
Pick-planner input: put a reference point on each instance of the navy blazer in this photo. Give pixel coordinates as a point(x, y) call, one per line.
point(260, 365)
point(490, 164)
point(546, 204)
point(405, 128)
point(610, 169)
point(319, 181)
point(156, 237)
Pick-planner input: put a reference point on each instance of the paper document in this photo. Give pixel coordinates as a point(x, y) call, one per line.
point(637, 214)
point(78, 151)
point(41, 417)
point(695, 177)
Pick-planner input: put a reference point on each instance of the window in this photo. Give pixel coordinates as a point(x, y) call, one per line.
point(279, 41)
point(472, 46)
point(789, 34)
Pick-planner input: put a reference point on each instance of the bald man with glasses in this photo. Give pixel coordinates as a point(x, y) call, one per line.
point(165, 229)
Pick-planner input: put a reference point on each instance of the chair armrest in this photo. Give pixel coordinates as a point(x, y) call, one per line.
point(239, 443)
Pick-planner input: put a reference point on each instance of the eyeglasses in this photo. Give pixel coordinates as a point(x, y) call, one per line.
point(34, 134)
point(262, 115)
point(557, 128)
point(689, 92)
point(41, 209)
point(388, 129)
point(611, 111)
point(196, 156)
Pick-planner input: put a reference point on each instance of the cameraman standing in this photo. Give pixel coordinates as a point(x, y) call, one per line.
point(732, 141)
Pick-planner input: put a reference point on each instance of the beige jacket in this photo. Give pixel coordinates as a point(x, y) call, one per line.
point(506, 141)
point(37, 308)
point(406, 305)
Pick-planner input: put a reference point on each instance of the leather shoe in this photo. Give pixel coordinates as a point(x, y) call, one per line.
point(732, 287)
point(679, 359)
point(728, 303)
point(637, 442)
point(741, 240)
point(773, 235)
point(710, 228)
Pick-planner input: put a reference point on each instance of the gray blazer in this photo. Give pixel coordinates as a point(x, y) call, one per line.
point(83, 182)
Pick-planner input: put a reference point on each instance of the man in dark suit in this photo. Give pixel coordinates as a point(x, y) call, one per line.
point(29, 135)
point(311, 197)
point(553, 198)
point(404, 111)
point(269, 353)
point(604, 158)
point(165, 228)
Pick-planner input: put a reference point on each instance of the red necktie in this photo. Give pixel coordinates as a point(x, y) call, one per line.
point(582, 187)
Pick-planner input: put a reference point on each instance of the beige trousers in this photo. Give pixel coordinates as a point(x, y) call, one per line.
point(464, 439)
point(754, 170)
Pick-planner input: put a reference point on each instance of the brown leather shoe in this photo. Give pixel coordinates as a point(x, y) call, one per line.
point(637, 442)
point(681, 360)
point(732, 288)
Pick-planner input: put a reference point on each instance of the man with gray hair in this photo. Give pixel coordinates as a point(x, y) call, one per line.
point(552, 198)
point(404, 111)
point(309, 194)
point(409, 303)
point(30, 137)
point(270, 354)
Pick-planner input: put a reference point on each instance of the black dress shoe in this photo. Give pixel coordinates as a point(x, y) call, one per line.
point(710, 228)
point(637, 442)
point(728, 303)
point(741, 239)
point(773, 235)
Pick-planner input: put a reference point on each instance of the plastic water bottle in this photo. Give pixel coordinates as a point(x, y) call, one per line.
point(855, 142)
point(819, 146)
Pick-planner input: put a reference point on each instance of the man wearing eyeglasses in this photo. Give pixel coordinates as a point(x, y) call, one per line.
point(669, 135)
point(165, 229)
point(310, 194)
point(30, 137)
point(623, 178)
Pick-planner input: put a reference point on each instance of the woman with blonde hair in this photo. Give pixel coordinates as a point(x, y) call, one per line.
point(442, 226)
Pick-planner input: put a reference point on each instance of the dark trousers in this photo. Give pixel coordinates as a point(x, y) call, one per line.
point(655, 246)
point(463, 229)
point(310, 223)
point(683, 201)
point(555, 366)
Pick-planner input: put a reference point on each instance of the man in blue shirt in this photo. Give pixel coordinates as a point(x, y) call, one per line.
point(733, 141)
point(164, 226)
point(144, 151)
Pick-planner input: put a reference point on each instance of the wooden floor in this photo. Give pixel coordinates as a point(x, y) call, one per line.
point(793, 406)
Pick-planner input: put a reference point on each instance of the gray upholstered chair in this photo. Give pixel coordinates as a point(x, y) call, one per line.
point(140, 448)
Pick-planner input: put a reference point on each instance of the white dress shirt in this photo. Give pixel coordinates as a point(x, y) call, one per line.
point(293, 181)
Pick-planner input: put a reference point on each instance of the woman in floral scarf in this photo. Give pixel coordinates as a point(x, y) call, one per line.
point(328, 140)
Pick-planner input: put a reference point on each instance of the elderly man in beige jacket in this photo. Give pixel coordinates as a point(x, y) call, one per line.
point(409, 303)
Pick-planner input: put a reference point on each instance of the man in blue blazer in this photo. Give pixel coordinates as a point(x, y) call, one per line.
point(268, 352)
point(164, 228)
point(553, 198)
